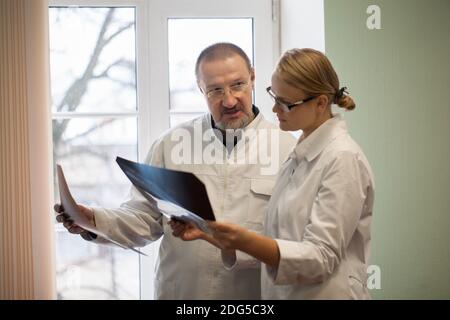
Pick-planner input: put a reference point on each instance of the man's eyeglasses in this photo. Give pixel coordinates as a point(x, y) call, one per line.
point(286, 106)
point(235, 89)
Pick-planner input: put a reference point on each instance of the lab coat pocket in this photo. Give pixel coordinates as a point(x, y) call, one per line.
point(260, 192)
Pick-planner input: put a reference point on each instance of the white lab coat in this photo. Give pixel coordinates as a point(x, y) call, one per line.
point(320, 214)
point(238, 192)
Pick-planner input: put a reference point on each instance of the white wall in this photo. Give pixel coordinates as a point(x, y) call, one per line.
point(302, 24)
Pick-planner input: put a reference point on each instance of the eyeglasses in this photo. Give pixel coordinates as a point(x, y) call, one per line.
point(286, 106)
point(235, 90)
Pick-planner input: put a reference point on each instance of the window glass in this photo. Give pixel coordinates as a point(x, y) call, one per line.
point(186, 39)
point(93, 65)
point(93, 86)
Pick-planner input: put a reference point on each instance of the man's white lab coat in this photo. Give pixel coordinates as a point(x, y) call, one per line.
point(320, 214)
point(238, 192)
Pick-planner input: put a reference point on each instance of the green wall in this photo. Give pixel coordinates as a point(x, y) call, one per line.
point(399, 77)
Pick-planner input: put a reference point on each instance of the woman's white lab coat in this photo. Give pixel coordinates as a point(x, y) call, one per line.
point(320, 214)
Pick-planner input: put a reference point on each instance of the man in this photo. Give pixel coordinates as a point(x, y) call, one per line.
point(227, 150)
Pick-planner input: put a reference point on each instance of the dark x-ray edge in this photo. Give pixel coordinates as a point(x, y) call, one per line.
point(172, 211)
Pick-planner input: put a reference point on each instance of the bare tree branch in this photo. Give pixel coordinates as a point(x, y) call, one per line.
point(127, 64)
point(77, 90)
point(119, 31)
point(91, 129)
point(123, 83)
point(104, 73)
point(87, 151)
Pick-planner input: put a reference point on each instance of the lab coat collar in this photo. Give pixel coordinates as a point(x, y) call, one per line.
point(316, 142)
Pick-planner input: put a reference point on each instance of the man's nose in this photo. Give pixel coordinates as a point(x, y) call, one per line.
point(229, 100)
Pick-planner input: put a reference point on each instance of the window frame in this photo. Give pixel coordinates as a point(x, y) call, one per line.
point(142, 112)
point(152, 69)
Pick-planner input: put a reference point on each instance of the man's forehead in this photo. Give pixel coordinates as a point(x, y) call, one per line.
point(223, 70)
point(222, 56)
point(233, 61)
point(225, 79)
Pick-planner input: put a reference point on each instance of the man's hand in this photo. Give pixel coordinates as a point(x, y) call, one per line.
point(63, 218)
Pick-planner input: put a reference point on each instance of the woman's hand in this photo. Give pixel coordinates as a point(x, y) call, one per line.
point(185, 231)
point(229, 236)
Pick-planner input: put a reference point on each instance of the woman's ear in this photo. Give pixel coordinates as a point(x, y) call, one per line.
point(322, 103)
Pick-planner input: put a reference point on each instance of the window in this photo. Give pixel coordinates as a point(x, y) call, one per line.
point(94, 110)
point(122, 73)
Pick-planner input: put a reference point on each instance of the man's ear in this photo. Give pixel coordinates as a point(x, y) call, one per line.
point(252, 77)
point(200, 87)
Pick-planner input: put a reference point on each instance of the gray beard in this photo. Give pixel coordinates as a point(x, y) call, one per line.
point(238, 124)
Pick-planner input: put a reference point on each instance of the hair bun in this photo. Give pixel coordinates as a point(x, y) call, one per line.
point(341, 92)
point(343, 100)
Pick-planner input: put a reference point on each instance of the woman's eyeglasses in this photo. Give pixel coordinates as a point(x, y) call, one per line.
point(286, 106)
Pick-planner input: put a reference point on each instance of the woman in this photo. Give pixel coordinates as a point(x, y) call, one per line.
point(317, 228)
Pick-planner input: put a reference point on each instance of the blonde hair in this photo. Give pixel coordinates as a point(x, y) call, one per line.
point(312, 72)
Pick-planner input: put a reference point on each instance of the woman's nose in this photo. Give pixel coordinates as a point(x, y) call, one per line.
point(276, 109)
